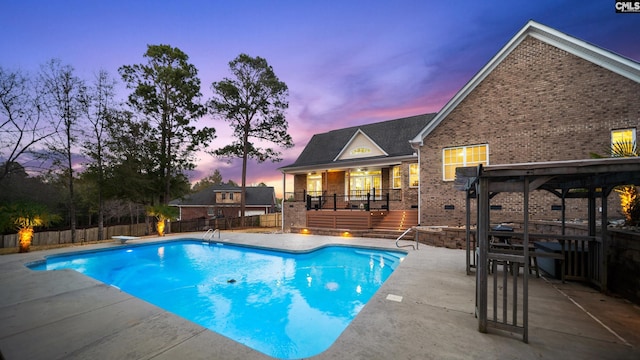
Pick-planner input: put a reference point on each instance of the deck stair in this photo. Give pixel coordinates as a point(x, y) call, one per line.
point(398, 220)
point(376, 223)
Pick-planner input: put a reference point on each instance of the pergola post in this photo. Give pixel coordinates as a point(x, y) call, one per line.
point(564, 212)
point(482, 196)
point(525, 275)
point(605, 241)
point(592, 212)
point(468, 232)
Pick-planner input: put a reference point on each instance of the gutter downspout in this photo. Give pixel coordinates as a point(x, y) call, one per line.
point(284, 191)
point(419, 187)
point(416, 146)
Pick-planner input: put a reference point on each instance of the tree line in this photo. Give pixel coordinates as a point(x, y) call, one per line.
point(93, 152)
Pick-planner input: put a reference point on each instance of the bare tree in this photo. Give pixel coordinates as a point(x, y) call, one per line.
point(65, 97)
point(21, 125)
point(100, 107)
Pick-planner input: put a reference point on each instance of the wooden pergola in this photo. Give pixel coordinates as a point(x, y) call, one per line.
point(582, 179)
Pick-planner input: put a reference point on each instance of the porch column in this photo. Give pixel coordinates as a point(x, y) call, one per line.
point(324, 177)
point(284, 192)
point(347, 184)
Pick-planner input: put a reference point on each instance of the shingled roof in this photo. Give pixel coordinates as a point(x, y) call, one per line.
point(256, 196)
point(391, 136)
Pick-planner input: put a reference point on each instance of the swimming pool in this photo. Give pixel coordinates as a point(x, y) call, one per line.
point(286, 305)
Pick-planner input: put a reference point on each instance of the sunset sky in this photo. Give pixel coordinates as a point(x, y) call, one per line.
point(345, 62)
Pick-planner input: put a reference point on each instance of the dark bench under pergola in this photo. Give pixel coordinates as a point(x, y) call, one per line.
point(586, 179)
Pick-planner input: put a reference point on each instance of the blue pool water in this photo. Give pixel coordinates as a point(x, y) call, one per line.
point(286, 305)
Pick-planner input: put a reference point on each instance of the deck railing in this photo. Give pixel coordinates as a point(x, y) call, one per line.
point(353, 200)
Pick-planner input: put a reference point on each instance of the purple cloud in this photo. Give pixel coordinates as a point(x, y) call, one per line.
point(345, 62)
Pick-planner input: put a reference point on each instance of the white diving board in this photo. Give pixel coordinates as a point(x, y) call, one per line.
point(123, 239)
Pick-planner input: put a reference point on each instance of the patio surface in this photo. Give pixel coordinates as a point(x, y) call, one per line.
point(65, 315)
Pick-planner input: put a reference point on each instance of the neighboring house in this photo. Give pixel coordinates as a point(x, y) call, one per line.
point(223, 201)
point(545, 96)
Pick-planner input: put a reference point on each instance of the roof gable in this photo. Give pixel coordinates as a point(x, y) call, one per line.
point(360, 146)
point(604, 58)
point(391, 138)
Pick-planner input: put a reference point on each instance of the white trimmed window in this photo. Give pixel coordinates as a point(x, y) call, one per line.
point(363, 182)
point(314, 184)
point(397, 177)
point(414, 175)
point(623, 142)
point(462, 156)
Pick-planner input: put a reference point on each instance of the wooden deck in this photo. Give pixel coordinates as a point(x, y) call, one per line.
point(396, 220)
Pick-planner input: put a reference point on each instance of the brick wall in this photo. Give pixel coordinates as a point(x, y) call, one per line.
point(540, 104)
point(300, 182)
point(187, 213)
point(335, 183)
point(409, 194)
point(294, 213)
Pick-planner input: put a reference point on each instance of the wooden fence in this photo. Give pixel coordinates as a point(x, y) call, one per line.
point(91, 234)
point(267, 220)
point(82, 235)
point(271, 220)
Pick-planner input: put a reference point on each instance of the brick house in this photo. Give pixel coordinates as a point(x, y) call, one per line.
point(352, 171)
point(223, 201)
point(545, 96)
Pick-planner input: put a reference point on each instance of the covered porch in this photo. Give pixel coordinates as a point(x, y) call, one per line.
point(355, 198)
point(388, 185)
point(360, 168)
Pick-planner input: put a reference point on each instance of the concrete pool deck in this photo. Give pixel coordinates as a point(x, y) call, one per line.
point(63, 314)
